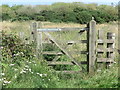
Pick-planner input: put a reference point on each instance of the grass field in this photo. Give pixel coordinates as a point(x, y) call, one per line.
point(107, 78)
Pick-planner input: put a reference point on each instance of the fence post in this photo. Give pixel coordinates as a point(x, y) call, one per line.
point(34, 36)
point(33, 32)
point(39, 43)
point(92, 46)
point(21, 35)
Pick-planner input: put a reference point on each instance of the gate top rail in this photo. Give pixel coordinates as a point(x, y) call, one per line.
point(60, 29)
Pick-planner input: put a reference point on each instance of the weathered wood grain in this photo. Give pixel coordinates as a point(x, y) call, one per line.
point(106, 60)
point(51, 53)
point(60, 63)
point(60, 29)
point(62, 49)
point(92, 46)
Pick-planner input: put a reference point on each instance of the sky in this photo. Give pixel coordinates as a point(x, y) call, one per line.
point(48, 2)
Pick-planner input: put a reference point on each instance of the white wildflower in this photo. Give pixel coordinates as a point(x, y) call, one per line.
point(110, 65)
point(15, 69)
point(11, 64)
point(23, 71)
point(1, 47)
point(27, 66)
point(40, 75)
point(17, 54)
point(7, 82)
point(37, 73)
point(4, 84)
point(30, 70)
point(2, 74)
point(4, 78)
point(15, 76)
point(22, 53)
point(45, 74)
point(29, 62)
point(49, 79)
point(34, 55)
point(26, 69)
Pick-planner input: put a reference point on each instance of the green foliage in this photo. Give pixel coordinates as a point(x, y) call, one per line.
point(83, 17)
point(76, 12)
point(48, 15)
point(25, 18)
point(5, 16)
point(21, 69)
point(69, 17)
point(14, 49)
point(49, 47)
point(39, 18)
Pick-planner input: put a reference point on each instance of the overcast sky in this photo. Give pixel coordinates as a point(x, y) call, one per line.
point(33, 2)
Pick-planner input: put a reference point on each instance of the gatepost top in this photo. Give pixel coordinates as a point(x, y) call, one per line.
point(92, 18)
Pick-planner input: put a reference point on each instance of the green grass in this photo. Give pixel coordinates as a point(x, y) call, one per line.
point(26, 71)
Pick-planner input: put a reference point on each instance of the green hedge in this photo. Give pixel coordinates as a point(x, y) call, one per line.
point(71, 13)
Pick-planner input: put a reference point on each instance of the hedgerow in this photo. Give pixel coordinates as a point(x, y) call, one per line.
point(61, 12)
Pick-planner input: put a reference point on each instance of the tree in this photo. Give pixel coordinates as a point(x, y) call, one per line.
point(83, 17)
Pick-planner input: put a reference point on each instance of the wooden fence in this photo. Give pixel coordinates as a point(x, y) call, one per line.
point(98, 48)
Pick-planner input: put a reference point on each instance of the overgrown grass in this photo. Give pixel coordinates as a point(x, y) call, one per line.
point(21, 69)
point(102, 79)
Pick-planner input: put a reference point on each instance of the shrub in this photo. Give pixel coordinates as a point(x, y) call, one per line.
point(83, 17)
point(5, 16)
point(23, 18)
point(69, 17)
point(39, 18)
point(61, 12)
point(21, 69)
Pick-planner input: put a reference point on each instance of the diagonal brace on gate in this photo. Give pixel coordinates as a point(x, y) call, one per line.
point(63, 50)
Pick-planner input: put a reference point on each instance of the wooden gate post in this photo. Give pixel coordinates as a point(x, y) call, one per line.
point(91, 46)
point(34, 37)
point(39, 43)
point(21, 35)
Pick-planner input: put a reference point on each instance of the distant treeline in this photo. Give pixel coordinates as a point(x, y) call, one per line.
point(76, 12)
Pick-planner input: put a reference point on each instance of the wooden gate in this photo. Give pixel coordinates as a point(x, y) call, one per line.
point(83, 47)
